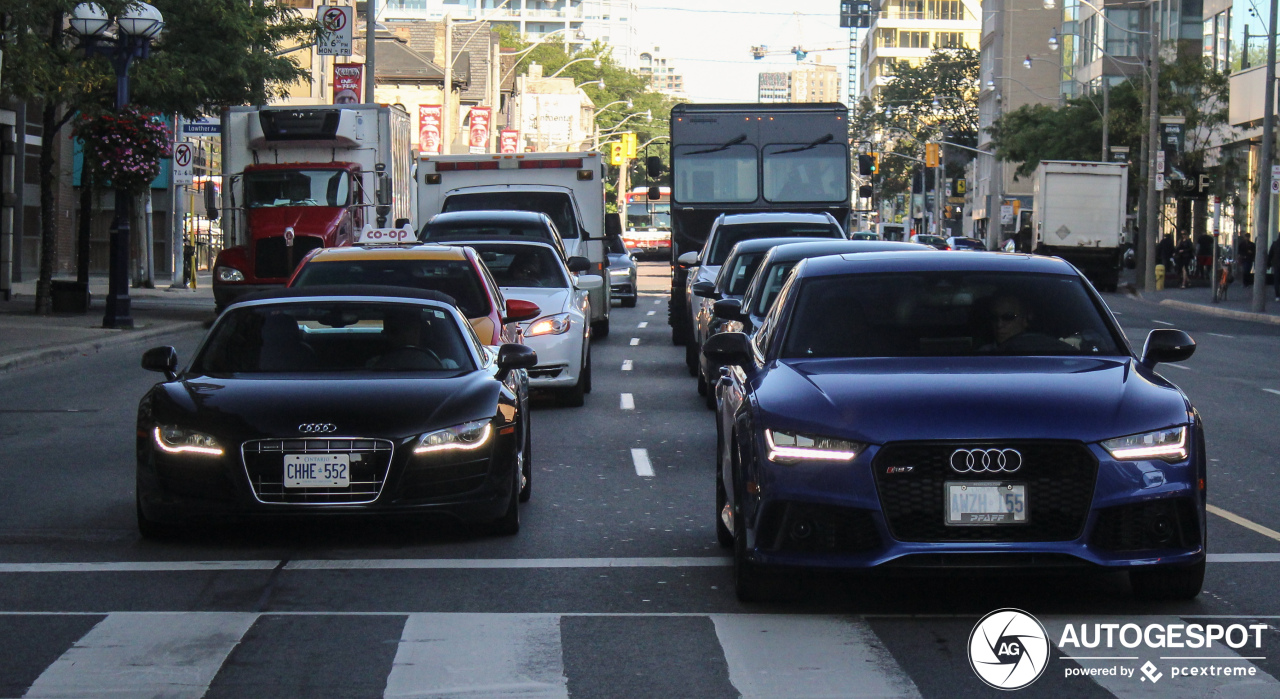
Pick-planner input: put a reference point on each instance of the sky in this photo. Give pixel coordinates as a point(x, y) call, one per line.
point(710, 41)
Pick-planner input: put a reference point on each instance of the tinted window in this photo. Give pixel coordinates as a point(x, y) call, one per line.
point(557, 206)
point(772, 283)
point(709, 174)
point(522, 265)
point(735, 277)
point(614, 245)
point(473, 231)
point(334, 337)
point(727, 236)
point(946, 314)
point(295, 188)
point(795, 172)
point(456, 278)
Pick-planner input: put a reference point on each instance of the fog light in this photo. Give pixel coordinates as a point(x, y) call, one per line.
point(801, 529)
point(1161, 529)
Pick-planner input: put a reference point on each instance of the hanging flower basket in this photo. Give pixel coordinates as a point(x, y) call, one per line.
point(124, 148)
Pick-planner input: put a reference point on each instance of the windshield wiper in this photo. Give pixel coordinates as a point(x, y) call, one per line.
point(717, 149)
point(825, 139)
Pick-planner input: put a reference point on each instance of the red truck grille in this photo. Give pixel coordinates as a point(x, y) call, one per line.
point(271, 256)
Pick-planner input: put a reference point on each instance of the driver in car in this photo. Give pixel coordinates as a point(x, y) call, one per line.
point(1010, 320)
point(406, 344)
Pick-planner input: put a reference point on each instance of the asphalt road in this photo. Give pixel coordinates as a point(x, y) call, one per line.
point(613, 588)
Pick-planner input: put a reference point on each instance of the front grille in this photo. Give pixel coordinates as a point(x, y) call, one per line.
point(1162, 524)
point(1059, 477)
point(271, 255)
point(546, 372)
point(264, 464)
point(811, 528)
point(426, 481)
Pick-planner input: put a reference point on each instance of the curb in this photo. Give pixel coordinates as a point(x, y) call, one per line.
point(48, 355)
point(1222, 312)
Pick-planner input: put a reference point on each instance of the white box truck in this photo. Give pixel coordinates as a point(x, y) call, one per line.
point(1079, 214)
point(567, 187)
point(299, 178)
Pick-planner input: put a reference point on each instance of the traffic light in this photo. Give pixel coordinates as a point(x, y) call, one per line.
point(866, 191)
point(628, 145)
point(931, 155)
point(864, 165)
point(875, 163)
point(615, 154)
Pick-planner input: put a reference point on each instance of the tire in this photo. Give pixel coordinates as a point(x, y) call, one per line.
point(710, 396)
point(678, 319)
point(150, 529)
point(1167, 582)
point(575, 396)
point(629, 302)
point(724, 537)
point(703, 389)
point(586, 369)
point(751, 583)
point(691, 357)
point(526, 465)
point(509, 523)
point(600, 329)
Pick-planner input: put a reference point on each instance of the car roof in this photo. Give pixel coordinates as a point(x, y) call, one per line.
point(349, 292)
point(763, 244)
point(506, 240)
point(389, 252)
point(791, 252)
point(488, 215)
point(933, 261)
point(783, 217)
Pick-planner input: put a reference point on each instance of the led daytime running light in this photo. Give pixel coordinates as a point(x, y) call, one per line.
point(777, 453)
point(1157, 451)
point(184, 448)
point(457, 444)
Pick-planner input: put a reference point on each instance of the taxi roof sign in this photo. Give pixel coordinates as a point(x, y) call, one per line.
point(386, 236)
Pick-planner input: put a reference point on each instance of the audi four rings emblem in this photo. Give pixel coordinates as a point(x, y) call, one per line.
point(317, 428)
point(986, 460)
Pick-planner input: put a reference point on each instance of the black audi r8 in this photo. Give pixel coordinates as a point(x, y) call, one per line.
point(336, 401)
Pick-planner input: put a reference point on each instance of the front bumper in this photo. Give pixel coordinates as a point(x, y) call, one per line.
point(623, 288)
point(559, 358)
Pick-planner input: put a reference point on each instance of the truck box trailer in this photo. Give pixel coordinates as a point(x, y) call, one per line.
point(1079, 213)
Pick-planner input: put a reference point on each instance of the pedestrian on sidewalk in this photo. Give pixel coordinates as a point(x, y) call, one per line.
point(1182, 257)
point(1274, 263)
point(1164, 252)
point(1204, 255)
point(1248, 251)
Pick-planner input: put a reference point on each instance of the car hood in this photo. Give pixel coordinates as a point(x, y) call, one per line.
point(366, 405)
point(549, 300)
point(305, 220)
point(883, 400)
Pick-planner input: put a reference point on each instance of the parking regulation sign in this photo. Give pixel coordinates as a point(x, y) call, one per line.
point(335, 30)
point(183, 155)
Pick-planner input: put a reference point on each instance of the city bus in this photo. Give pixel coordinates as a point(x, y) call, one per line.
point(647, 230)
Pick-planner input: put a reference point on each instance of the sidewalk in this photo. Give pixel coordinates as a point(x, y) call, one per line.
point(1199, 299)
point(27, 339)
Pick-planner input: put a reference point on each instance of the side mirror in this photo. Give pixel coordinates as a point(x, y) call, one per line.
point(384, 189)
point(613, 225)
point(1167, 345)
point(210, 201)
point(653, 168)
point(162, 359)
point(655, 193)
point(519, 311)
point(578, 264)
point(727, 349)
point(512, 356)
point(587, 282)
point(689, 259)
point(705, 289)
point(729, 309)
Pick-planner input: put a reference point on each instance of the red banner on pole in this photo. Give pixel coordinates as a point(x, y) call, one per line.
point(429, 116)
point(480, 117)
point(509, 141)
point(347, 81)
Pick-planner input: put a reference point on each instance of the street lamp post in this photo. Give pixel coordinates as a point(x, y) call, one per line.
point(135, 28)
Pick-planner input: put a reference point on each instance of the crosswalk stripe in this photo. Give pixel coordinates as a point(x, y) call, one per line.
point(782, 655)
point(479, 655)
point(172, 655)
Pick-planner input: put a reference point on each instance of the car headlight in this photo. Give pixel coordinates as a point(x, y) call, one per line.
point(793, 447)
point(464, 437)
point(177, 440)
point(619, 272)
point(1167, 444)
point(230, 274)
point(557, 324)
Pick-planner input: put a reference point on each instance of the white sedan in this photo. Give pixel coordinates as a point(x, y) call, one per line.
point(533, 271)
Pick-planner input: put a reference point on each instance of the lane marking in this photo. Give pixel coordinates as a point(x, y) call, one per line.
point(627, 365)
point(135, 566)
point(1232, 517)
point(479, 655)
point(635, 341)
point(1179, 366)
point(644, 469)
point(652, 313)
point(1153, 320)
point(1244, 558)
point(628, 402)
point(1229, 337)
point(643, 324)
point(1272, 390)
point(657, 301)
point(153, 655)
point(796, 655)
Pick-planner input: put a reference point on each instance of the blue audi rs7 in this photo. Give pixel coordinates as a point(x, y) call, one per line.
point(930, 410)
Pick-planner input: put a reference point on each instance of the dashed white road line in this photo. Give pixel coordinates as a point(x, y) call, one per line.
point(1229, 337)
point(657, 301)
point(1272, 390)
point(652, 313)
point(1179, 366)
point(627, 365)
point(643, 324)
point(628, 402)
point(640, 457)
point(635, 341)
point(1160, 322)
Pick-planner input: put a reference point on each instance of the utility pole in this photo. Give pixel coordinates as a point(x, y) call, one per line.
point(446, 139)
point(1106, 111)
point(1262, 229)
point(1153, 145)
point(370, 22)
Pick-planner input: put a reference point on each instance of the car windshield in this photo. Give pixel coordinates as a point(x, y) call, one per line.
point(771, 284)
point(334, 336)
point(947, 314)
point(522, 265)
point(473, 230)
point(729, 235)
point(797, 172)
point(457, 278)
point(735, 277)
point(708, 174)
point(556, 205)
point(296, 188)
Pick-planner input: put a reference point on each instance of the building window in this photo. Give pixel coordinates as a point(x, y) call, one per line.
point(913, 40)
point(946, 9)
point(887, 38)
point(948, 40)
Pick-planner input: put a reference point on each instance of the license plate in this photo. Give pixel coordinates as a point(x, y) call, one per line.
point(986, 503)
point(317, 470)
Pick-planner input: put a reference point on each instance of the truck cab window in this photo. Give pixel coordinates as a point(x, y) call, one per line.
point(296, 188)
point(818, 173)
point(707, 174)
